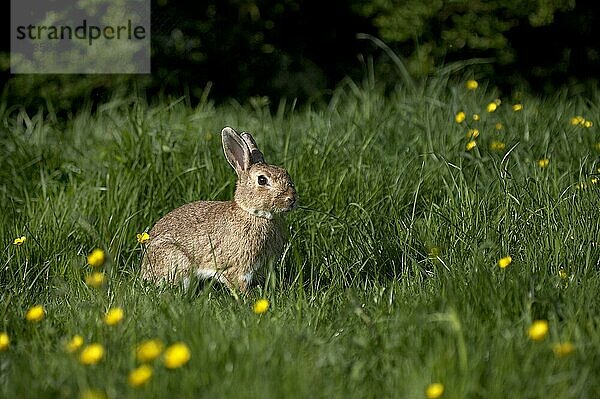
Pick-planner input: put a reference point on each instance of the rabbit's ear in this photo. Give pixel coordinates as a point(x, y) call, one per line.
point(236, 150)
point(255, 155)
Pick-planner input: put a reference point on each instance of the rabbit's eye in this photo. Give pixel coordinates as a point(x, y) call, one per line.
point(262, 180)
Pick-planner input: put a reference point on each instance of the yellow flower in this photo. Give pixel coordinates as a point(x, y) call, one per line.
point(460, 117)
point(476, 117)
point(543, 163)
point(74, 344)
point(176, 355)
point(588, 124)
point(538, 330)
point(499, 126)
point(148, 350)
point(113, 316)
point(577, 120)
point(563, 349)
point(434, 252)
point(95, 279)
point(143, 237)
point(497, 145)
point(563, 274)
point(35, 313)
point(92, 394)
point(472, 133)
point(140, 375)
point(434, 391)
point(471, 84)
point(517, 107)
point(470, 145)
point(504, 262)
point(4, 341)
point(19, 240)
point(261, 306)
point(96, 258)
point(91, 354)
point(594, 180)
point(491, 107)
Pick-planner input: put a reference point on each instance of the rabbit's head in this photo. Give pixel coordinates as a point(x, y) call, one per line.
point(261, 190)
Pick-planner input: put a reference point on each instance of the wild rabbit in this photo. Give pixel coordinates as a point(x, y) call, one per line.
point(225, 240)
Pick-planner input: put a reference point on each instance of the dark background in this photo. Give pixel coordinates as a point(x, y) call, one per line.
point(233, 49)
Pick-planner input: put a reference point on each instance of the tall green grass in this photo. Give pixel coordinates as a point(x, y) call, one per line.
point(389, 282)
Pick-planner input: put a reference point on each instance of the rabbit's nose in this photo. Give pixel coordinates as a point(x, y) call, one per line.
point(290, 201)
point(290, 198)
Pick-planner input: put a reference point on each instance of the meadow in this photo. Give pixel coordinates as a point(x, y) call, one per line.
point(439, 239)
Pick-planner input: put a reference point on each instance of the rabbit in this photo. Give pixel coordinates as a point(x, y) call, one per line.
point(225, 240)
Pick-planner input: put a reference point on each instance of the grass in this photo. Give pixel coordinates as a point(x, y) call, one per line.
point(390, 281)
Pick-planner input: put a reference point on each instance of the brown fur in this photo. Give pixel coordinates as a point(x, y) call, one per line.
point(227, 240)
